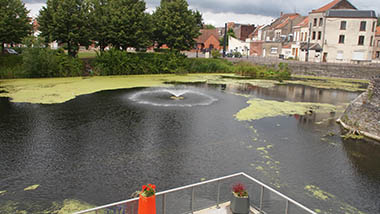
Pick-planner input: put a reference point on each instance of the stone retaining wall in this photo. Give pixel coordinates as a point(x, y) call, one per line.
point(320, 69)
point(363, 114)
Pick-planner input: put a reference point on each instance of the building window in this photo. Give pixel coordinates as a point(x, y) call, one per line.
point(373, 26)
point(301, 37)
point(339, 55)
point(320, 21)
point(273, 50)
point(343, 25)
point(315, 22)
point(363, 25)
point(371, 41)
point(361, 40)
point(341, 39)
point(377, 54)
point(319, 35)
point(378, 43)
point(305, 37)
point(314, 33)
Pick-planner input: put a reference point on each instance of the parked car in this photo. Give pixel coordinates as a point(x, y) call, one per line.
point(10, 51)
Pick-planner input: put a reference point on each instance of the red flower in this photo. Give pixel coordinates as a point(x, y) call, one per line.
point(143, 187)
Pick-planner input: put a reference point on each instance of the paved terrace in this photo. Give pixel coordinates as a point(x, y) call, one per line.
point(211, 197)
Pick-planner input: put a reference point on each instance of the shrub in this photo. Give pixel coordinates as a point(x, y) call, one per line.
point(215, 54)
point(11, 66)
point(202, 65)
point(44, 62)
point(263, 72)
point(237, 54)
point(116, 62)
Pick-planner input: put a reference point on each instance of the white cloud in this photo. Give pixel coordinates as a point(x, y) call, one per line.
point(218, 19)
point(34, 8)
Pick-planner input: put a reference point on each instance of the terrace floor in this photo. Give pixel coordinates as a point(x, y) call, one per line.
point(224, 209)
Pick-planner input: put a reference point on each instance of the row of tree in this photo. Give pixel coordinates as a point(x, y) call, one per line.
point(14, 22)
point(117, 23)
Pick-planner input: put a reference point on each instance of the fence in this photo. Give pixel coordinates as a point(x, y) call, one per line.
point(195, 197)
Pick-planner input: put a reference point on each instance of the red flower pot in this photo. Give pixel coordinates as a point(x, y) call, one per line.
point(147, 205)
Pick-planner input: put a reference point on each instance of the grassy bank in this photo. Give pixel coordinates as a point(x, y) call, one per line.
point(40, 62)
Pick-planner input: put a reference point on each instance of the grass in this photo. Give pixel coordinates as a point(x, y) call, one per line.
point(86, 54)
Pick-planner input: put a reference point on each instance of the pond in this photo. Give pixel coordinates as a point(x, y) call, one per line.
point(100, 148)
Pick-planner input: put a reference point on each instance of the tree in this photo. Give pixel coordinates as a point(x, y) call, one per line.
point(66, 21)
point(129, 24)
point(230, 33)
point(209, 26)
point(100, 19)
point(176, 25)
point(14, 22)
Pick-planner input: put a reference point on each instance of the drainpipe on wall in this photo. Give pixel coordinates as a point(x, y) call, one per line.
point(323, 36)
point(225, 40)
point(308, 44)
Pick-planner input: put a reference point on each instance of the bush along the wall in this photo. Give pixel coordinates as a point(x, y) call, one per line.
point(202, 65)
point(280, 73)
point(116, 62)
point(44, 62)
point(11, 66)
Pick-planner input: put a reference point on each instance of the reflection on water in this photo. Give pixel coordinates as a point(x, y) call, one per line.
point(101, 147)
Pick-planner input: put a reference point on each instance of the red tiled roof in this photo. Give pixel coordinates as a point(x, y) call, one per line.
point(284, 19)
point(378, 31)
point(327, 6)
point(283, 23)
point(287, 46)
point(304, 22)
point(206, 33)
point(330, 6)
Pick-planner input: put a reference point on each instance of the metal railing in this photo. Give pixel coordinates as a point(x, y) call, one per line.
point(213, 193)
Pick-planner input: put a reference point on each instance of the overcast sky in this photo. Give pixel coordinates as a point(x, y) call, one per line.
point(217, 12)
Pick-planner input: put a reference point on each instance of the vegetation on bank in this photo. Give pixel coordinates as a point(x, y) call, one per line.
point(59, 90)
point(260, 108)
point(43, 62)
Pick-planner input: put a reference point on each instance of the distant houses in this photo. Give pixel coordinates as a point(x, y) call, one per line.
point(376, 51)
point(336, 32)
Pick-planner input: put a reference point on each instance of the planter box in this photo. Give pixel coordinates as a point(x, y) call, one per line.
point(239, 205)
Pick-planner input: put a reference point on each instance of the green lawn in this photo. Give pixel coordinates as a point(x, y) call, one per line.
point(87, 54)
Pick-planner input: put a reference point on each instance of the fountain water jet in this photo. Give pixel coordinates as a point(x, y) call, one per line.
point(172, 97)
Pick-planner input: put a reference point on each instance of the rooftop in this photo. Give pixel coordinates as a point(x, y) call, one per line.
point(351, 13)
point(206, 33)
point(336, 4)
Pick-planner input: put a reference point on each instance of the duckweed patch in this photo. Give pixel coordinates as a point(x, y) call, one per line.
point(69, 206)
point(32, 187)
point(260, 108)
point(318, 193)
point(330, 83)
point(59, 90)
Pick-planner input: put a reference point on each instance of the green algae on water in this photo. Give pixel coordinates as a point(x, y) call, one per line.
point(70, 206)
point(11, 207)
point(260, 108)
point(318, 193)
point(32, 187)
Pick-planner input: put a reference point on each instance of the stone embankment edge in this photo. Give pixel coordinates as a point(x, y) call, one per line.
point(364, 133)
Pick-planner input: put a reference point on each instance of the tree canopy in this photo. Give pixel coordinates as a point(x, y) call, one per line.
point(66, 21)
point(14, 22)
point(176, 25)
point(208, 26)
point(129, 24)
